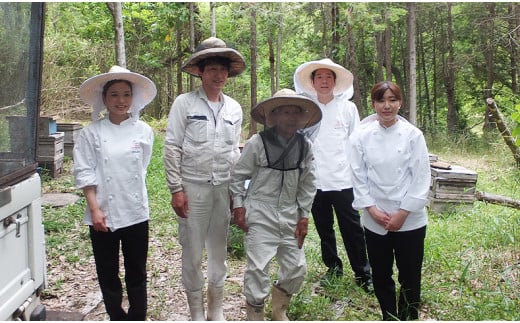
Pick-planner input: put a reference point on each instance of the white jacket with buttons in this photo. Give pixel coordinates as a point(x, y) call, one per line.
point(114, 158)
point(391, 170)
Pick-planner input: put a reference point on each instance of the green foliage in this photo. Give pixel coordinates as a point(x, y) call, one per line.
point(79, 36)
point(235, 242)
point(516, 130)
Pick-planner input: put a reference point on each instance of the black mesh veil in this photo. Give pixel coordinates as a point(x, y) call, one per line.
point(284, 154)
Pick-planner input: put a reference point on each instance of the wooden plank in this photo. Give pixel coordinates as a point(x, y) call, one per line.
point(460, 187)
point(456, 171)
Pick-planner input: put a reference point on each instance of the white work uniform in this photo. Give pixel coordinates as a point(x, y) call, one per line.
point(391, 170)
point(200, 148)
point(114, 158)
point(275, 201)
point(339, 119)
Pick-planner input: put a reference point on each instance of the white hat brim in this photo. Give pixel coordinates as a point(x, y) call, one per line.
point(143, 90)
point(303, 80)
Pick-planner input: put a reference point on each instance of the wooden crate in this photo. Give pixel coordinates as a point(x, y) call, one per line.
point(50, 148)
point(456, 172)
point(47, 126)
point(71, 131)
point(452, 188)
point(53, 168)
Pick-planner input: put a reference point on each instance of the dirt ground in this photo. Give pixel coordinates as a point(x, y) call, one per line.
point(76, 290)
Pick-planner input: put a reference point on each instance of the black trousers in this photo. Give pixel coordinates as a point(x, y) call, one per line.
point(325, 204)
point(408, 249)
point(134, 244)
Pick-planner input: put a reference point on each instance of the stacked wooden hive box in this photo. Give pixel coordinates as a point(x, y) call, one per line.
point(451, 186)
point(50, 146)
point(71, 132)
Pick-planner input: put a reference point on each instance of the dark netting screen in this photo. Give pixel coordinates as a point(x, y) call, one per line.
point(284, 154)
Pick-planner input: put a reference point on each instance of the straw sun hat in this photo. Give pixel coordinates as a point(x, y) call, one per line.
point(143, 90)
point(287, 97)
point(303, 74)
point(215, 47)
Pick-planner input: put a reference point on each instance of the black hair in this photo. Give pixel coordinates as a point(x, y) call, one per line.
point(378, 91)
point(314, 73)
point(112, 82)
point(221, 60)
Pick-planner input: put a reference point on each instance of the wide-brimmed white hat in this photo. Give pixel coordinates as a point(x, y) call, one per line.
point(143, 90)
point(287, 97)
point(215, 47)
point(303, 76)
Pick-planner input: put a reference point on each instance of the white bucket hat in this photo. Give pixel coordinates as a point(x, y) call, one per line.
point(143, 90)
point(287, 97)
point(215, 47)
point(303, 80)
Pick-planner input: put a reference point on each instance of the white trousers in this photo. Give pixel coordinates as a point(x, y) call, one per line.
point(271, 235)
point(206, 226)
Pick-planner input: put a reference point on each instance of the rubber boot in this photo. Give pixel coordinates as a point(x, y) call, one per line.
point(215, 299)
point(255, 313)
point(196, 305)
point(280, 303)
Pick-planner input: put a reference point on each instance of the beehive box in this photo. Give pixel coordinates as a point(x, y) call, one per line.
point(54, 168)
point(47, 126)
point(71, 131)
point(451, 188)
point(50, 148)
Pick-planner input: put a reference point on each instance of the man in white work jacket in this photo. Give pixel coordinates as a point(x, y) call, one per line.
point(201, 146)
point(329, 85)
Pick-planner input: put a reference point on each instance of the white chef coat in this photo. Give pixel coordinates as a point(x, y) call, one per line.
point(391, 170)
point(331, 145)
point(114, 158)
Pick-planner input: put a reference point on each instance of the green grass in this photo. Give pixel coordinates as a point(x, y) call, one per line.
point(472, 258)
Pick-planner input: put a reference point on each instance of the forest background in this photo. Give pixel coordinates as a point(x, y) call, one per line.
point(448, 57)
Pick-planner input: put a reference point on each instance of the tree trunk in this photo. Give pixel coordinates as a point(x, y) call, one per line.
point(252, 46)
point(449, 77)
point(279, 46)
point(412, 61)
point(428, 112)
point(488, 39)
point(119, 41)
point(379, 56)
point(388, 48)
point(504, 130)
point(335, 34)
point(351, 60)
point(514, 41)
point(272, 70)
point(213, 7)
point(497, 199)
point(178, 34)
point(192, 41)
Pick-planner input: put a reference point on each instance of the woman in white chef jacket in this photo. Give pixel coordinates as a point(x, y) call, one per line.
point(391, 173)
point(111, 156)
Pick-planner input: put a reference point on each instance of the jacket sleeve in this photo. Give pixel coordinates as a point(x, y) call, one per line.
point(362, 198)
point(416, 197)
point(148, 150)
point(306, 185)
point(85, 158)
point(172, 151)
point(243, 170)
